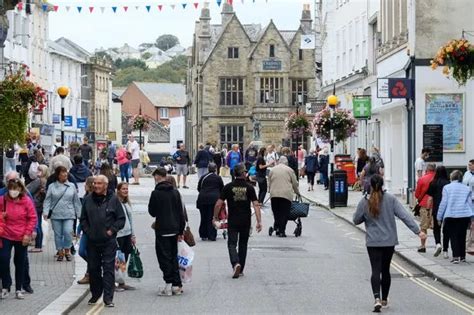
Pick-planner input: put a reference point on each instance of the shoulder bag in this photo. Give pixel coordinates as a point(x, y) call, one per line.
point(56, 203)
point(416, 209)
point(299, 209)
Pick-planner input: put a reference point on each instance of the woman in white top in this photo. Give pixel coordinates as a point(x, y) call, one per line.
point(126, 236)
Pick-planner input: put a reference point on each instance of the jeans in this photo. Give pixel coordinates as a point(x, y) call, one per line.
point(26, 272)
point(202, 171)
point(262, 189)
point(124, 172)
point(281, 210)
point(238, 235)
point(325, 179)
point(166, 248)
point(380, 259)
point(39, 231)
point(206, 229)
point(18, 259)
point(62, 233)
point(457, 230)
point(101, 265)
point(10, 165)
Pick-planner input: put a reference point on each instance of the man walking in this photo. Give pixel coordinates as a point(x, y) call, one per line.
point(422, 198)
point(239, 194)
point(182, 163)
point(166, 207)
point(86, 151)
point(468, 178)
point(420, 163)
point(101, 218)
point(134, 148)
point(202, 161)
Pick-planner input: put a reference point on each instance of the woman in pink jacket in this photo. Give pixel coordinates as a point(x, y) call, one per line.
point(17, 223)
point(124, 163)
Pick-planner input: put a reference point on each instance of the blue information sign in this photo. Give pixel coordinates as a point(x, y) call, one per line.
point(82, 123)
point(67, 121)
point(56, 119)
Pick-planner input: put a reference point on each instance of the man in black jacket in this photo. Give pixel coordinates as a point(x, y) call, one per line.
point(165, 205)
point(101, 218)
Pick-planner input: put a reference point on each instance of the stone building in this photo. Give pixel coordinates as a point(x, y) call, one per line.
point(243, 80)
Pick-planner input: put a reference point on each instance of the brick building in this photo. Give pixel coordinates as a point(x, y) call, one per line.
point(159, 101)
point(240, 74)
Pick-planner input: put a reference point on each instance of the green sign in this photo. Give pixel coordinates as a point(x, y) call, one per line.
point(362, 107)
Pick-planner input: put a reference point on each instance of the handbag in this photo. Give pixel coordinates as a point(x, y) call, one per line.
point(416, 209)
point(56, 203)
point(189, 237)
point(470, 241)
point(135, 265)
point(299, 209)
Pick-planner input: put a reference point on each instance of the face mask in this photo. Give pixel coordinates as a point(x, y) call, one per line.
point(14, 193)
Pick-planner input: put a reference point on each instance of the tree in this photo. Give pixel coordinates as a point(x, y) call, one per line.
point(146, 55)
point(165, 42)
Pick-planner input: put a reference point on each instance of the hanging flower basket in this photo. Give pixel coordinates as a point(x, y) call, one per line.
point(457, 57)
point(18, 97)
point(137, 122)
point(344, 124)
point(297, 125)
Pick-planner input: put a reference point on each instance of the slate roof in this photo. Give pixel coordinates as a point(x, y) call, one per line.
point(77, 50)
point(288, 36)
point(57, 48)
point(163, 94)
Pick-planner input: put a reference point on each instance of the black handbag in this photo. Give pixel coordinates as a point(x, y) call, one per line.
point(299, 209)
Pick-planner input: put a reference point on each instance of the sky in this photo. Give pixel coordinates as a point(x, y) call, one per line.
point(108, 29)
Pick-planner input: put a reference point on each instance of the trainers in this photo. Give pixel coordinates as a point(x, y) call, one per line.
point(456, 261)
point(377, 306)
point(19, 295)
point(445, 255)
point(176, 290)
point(385, 303)
point(4, 294)
point(438, 250)
point(84, 280)
point(422, 250)
point(126, 287)
point(92, 301)
point(236, 273)
point(109, 304)
point(28, 289)
point(166, 291)
point(463, 260)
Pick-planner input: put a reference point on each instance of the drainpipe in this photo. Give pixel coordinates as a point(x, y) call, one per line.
point(410, 73)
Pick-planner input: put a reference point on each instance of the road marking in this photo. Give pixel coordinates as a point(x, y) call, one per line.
point(355, 239)
point(96, 309)
point(432, 289)
point(350, 233)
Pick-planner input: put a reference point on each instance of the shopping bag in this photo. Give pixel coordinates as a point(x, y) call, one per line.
point(120, 267)
point(189, 237)
point(470, 241)
point(186, 275)
point(135, 266)
point(185, 255)
point(298, 209)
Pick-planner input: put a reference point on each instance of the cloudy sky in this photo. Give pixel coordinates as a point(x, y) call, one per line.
point(134, 27)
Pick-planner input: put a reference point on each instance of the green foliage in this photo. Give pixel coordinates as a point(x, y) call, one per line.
point(129, 63)
point(103, 54)
point(165, 42)
point(146, 55)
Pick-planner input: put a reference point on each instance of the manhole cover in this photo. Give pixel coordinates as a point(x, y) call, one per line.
point(279, 248)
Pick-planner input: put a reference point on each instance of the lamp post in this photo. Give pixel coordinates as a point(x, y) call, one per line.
point(298, 102)
point(63, 92)
point(140, 129)
point(332, 101)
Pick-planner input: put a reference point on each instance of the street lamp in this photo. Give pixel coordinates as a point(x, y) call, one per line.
point(298, 102)
point(332, 102)
point(63, 92)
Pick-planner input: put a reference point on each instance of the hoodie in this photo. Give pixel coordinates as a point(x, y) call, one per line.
point(165, 205)
point(80, 172)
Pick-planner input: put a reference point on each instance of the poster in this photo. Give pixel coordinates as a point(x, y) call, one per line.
point(447, 109)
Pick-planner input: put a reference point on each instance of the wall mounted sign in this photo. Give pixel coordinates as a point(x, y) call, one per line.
point(272, 65)
point(433, 139)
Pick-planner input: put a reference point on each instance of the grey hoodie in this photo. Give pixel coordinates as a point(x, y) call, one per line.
point(382, 231)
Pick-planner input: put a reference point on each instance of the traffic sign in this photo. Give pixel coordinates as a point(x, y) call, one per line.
point(362, 107)
point(400, 88)
point(82, 123)
point(67, 121)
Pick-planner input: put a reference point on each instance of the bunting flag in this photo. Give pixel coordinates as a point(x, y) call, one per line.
point(160, 6)
point(102, 9)
point(79, 9)
point(114, 9)
point(125, 8)
point(184, 5)
point(230, 1)
point(19, 6)
point(55, 8)
point(219, 2)
point(148, 8)
point(68, 8)
point(91, 9)
point(45, 7)
point(196, 4)
point(173, 6)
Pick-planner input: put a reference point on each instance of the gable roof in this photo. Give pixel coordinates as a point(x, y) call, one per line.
point(74, 48)
point(163, 94)
point(270, 25)
point(58, 49)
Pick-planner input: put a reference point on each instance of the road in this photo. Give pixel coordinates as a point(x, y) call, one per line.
point(326, 271)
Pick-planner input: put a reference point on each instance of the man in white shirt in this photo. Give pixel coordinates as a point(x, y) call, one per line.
point(59, 160)
point(420, 163)
point(134, 148)
point(468, 178)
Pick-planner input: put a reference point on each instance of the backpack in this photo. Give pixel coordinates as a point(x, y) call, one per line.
point(10, 153)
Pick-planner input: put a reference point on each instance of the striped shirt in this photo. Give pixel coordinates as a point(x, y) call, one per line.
point(456, 202)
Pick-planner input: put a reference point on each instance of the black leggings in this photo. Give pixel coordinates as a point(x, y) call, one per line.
point(311, 178)
point(380, 259)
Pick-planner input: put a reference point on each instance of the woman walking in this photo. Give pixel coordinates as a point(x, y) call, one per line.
point(126, 236)
point(17, 222)
point(262, 167)
point(456, 212)
point(124, 163)
point(107, 171)
point(37, 189)
point(209, 187)
point(371, 169)
point(362, 160)
point(312, 166)
point(435, 193)
point(378, 212)
point(62, 206)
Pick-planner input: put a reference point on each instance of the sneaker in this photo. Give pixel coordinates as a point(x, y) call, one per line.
point(438, 250)
point(445, 255)
point(185, 187)
point(422, 250)
point(463, 260)
point(109, 304)
point(456, 261)
point(28, 289)
point(237, 268)
point(84, 280)
point(385, 303)
point(377, 306)
point(4, 294)
point(166, 291)
point(119, 289)
point(176, 290)
point(92, 301)
point(241, 274)
point(19, 295)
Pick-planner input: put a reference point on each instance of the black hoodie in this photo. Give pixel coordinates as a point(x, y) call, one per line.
point(100, 214)
point(165, 205)
point(80, 172)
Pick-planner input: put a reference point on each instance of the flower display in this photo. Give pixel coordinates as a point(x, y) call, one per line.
point(457, 57)
point(345, 124)
point(298, 125)
point(137, 122)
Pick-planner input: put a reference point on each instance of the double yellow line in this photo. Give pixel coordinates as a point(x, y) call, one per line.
point(96, 309)
point(432, 289)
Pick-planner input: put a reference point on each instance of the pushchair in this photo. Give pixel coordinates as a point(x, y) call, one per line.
point(298, 210)
point(221, 223)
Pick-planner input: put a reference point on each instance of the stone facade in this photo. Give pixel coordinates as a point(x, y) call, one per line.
point(241, 73)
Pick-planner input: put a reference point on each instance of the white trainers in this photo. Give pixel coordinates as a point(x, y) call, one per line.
point(385, 303)
point(19, 295)
point(445, 255)
point(166, 291)
point(5, 294)
point(438, 250)
point(377, 306)
point(176, 290)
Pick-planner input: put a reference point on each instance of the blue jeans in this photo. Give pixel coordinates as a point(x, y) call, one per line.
point(19, 261)
point(124, 176)
point(10, 165)
point(83, 247)
point(62, 233)
point(39, 231)
point(202, 171)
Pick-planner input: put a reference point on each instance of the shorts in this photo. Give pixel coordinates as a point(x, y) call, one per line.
point(181, 169)
point(135, 163)
point(425, 219)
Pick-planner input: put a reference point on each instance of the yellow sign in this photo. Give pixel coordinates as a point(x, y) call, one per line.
point(112, 135)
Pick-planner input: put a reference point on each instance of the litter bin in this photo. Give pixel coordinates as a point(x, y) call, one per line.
point(349, 168)
point(338, 189)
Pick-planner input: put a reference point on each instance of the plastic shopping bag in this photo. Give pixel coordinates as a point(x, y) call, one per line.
point(135, 265)
point(185, 261)
point(120, 267)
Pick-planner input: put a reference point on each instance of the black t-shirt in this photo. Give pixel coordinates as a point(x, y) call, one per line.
point(261, 172)
point(435, 190)
point(184, 155)
point(86, 151)
point(239, 194)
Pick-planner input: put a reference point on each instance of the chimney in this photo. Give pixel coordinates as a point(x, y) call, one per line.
point(227, 12)
point(306, 21)
point(204, 35)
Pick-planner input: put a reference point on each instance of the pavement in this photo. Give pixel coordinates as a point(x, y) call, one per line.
point(325, 271)
point(460, 277)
